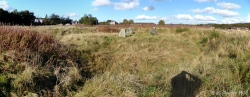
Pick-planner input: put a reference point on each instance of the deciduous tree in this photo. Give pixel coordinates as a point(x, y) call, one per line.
point(161, 22)
point(88, 20)
point(131, 21)
point(125, 21)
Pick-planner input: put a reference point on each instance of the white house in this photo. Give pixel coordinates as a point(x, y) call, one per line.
point(113, 22)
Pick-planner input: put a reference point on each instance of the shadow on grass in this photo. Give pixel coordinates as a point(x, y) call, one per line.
point(185, 85)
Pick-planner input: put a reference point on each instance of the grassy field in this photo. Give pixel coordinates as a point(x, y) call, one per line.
point(94, 62)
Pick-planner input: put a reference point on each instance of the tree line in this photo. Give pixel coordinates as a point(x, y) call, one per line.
point(88, 20)
point(125, 21)
point(15, 17)
point(229, 26)
point(54, 19)
point(28, 18)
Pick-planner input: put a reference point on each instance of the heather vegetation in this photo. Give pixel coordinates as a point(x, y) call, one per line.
point(93, 61)
point(33, 62)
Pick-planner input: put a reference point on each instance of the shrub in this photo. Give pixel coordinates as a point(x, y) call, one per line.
point(204, 41)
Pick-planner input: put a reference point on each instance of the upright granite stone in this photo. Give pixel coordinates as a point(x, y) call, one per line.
point(129, 32)
point(153, 31)
point(122, 33)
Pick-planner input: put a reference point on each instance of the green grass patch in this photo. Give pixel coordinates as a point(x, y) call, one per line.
point(214, 34)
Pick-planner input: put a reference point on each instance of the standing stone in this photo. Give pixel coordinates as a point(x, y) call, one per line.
point(129, 32)
point(122, 33)
point(153, 31)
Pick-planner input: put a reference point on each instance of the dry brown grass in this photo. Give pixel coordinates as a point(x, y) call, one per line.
point(144, 65)
point(142, 56)
point(154, 60)
point(30, 58)
point(107, 29)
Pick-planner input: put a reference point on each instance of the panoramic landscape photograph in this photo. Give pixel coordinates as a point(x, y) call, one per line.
point(124, 48)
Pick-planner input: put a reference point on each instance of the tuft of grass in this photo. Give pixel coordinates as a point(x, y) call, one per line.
point(180, 30)
point(107, 41)
point(24, 79)
point(204, 41)
point(3, 79)
point(214, 34)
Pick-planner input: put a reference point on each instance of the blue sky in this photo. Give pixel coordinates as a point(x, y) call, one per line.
point(171, 11)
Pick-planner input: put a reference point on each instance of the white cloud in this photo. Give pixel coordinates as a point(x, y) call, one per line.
point(158, 0)
point(196, 18)
point(4, 5)
point(201, 1)
point(126, 6)
point(144, 17)
point(101, 3)
point(184, 17)
point(221, 12)
point(236, 20)
point(71, 15)
point(232, 20)
point(204, 18)
point(228, 6)
point(164, 18)
point(248, 18)
point(128, 0)
point(148, 8)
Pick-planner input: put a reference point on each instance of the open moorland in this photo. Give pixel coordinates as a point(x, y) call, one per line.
point(92, 61)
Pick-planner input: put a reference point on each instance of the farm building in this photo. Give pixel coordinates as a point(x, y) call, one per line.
point(113, 22)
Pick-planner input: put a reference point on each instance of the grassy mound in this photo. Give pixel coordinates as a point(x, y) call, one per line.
point(37, 63)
